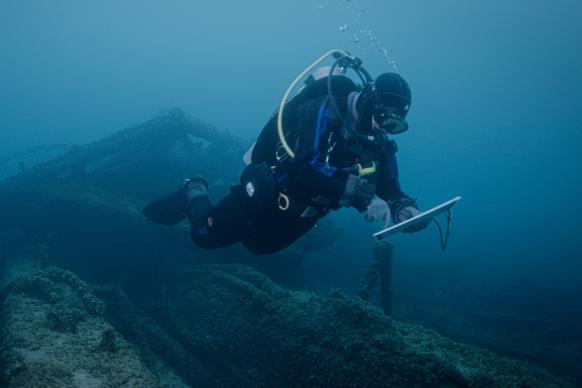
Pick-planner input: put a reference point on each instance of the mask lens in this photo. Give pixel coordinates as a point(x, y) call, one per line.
point(394, 126)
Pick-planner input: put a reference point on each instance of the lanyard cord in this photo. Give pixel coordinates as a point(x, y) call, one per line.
point(445, 239)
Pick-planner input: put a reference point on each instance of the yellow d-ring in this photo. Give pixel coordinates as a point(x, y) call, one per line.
point(283, 201)
point(363, 171)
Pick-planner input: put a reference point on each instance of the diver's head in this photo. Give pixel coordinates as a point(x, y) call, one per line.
point(385, 104)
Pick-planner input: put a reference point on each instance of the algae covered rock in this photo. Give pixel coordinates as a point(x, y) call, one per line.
point(237, 328)
point(226, 325)
point(52, 336)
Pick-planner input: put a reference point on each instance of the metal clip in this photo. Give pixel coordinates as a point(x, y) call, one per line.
point(283, 202)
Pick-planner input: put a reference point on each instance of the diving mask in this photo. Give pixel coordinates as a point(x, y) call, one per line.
point(390, 119)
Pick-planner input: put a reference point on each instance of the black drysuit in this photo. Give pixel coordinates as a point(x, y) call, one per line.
point(314, 181)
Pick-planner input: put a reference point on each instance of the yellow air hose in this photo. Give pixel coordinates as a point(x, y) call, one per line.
point(284, 143)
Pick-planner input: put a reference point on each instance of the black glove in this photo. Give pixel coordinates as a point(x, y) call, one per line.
point(358, 193)
point(404, 209)
point(408, 212)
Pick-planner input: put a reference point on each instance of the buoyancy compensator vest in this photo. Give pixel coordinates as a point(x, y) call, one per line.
point(268, 147)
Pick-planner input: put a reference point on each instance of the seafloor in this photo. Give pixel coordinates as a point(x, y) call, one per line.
point(92, 295)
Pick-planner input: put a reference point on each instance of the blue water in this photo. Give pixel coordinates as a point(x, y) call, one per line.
point(496, 114)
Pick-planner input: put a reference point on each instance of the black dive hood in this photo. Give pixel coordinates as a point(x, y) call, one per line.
point(388, 100)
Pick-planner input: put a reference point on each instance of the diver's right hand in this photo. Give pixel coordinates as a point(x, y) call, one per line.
point(378, 210)
point(358, 193)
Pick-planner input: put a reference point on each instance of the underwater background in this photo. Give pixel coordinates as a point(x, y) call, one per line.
point(496, 118)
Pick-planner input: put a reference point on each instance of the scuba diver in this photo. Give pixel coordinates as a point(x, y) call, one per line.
point(327, 148)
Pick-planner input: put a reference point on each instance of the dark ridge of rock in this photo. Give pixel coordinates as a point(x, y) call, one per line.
point(142, 160)
point(154, 342)
point(21, 162)
point(95, 193)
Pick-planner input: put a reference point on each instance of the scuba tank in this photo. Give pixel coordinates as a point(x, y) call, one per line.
point(320, 83)
point(269, 140)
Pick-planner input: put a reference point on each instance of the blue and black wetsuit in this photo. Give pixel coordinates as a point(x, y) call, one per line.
point(314, 181)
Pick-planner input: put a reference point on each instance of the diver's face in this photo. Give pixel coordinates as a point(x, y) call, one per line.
point(391, 120)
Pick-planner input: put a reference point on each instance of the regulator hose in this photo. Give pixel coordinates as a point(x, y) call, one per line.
point(337, 53)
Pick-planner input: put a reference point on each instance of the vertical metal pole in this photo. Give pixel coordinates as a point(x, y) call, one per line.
point(380, 270)
point(383, 250)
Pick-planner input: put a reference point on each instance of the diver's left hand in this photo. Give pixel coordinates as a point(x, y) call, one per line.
point(406, 213)
point(378, 210)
